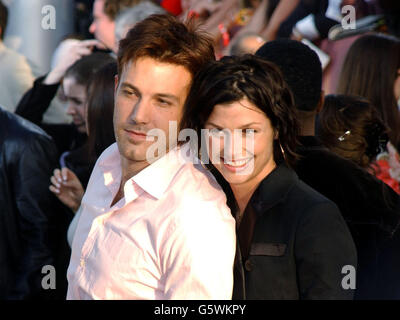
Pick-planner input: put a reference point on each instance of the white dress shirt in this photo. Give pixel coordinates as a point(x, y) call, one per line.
point(171, 236)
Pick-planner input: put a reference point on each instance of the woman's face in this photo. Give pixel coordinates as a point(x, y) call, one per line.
point(75, 95)
point(240, 161)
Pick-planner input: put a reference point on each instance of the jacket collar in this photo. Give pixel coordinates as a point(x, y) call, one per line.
point(273, 189)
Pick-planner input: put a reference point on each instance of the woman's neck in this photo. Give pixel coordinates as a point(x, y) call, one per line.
point(244, 191)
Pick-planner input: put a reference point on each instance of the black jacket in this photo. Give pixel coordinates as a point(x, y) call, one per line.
point(299, 245)
point(32, 222)
point(371, 210)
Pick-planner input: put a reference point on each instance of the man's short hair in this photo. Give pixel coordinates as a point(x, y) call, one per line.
point(301, 69)
point(3, 19)
point(113, 7)
point(165, 39)
point(129, 17)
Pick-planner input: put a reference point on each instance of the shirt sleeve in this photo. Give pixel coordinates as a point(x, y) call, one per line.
point(197, 259)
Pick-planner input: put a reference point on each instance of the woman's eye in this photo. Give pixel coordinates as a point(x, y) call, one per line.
point(249, 131)
point(217, 132)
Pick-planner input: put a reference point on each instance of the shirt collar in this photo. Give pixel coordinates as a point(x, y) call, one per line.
point(110, 164)
point(156, 178)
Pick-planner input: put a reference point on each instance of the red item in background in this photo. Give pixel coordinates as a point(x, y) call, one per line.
point(382, 168)
point(172, 6)
point(225, 34)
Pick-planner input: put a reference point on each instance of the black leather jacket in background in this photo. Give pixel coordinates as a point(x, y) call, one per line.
point(32, 221)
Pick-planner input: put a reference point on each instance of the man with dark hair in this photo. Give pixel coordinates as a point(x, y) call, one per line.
point(15, 74)
point(371, 208)
point(153, 225)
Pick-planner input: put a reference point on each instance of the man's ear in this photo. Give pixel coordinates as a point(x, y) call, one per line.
point(116, 80)
point(320, 102)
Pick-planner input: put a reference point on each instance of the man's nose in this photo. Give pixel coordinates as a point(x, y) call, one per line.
point(141, 112)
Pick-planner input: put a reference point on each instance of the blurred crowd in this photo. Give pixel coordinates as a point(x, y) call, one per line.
point(55, 126)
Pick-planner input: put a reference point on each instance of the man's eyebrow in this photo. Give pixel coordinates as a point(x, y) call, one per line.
point(128, 85)
point(158, 95)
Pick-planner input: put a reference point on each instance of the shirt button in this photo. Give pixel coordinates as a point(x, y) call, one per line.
point(82, 263)
point(248, 265)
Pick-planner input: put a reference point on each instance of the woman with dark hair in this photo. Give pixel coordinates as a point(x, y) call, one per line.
point(292, 242)
point(351, 127)
point(98, 115)
point(372, 70)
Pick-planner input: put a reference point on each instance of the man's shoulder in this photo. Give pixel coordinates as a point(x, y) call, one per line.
point(198, 183)
point(324, 163)
point(199, 197)
point(11, 60)
point(20, 130)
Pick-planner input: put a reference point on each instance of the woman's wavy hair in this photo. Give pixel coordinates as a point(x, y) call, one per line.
point(234, 78)
point(351, 127)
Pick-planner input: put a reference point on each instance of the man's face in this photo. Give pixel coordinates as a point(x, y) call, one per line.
point(148, 96)
point(102, 26)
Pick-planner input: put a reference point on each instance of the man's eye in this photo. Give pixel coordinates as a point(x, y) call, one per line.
point(128, 92)
point(164, 102)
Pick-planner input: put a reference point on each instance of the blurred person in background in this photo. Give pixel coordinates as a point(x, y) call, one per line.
point(127, 18)
point(31, 221)
point(72, 73)
point(104, 14)
point(99, 112)
point(352, 128)
point(372, 70)
point(246, 43)
point(16, 76)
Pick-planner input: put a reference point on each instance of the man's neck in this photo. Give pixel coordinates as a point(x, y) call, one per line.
point(128, 170)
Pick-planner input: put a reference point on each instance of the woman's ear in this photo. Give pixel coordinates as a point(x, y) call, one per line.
point(276, 134)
